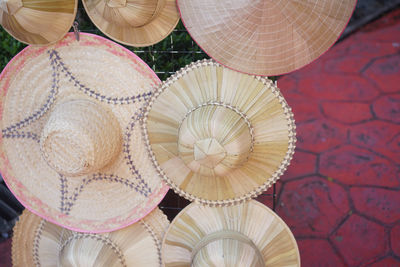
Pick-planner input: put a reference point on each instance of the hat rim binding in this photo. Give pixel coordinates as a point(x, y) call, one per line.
point(37, 220)
point(225, 202)
point(73, 17)
point(269, 74)
point(4, 167)
point(173, 26)
point(253, 201)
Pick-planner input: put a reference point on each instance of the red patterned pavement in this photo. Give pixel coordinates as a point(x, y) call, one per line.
point(341, 194)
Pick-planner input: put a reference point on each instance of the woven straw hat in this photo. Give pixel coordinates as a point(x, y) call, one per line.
point(72, 149)
point(249, 234)
point(218, 136)
point(265, 37)
point(134, 22)
point(37, 242)
point(37, 22)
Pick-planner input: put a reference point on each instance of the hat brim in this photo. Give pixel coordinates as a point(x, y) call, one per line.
point(37, 242)
point(260, 224)
point(264, 38)
point(94, 68)
point(40, 23)
point(258, 100)
point(151, 33)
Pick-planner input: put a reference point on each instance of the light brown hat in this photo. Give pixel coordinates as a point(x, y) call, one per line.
point(249, 234)
point(134, 22)
point(264, 37)
point(218, 136)
point(37, 242)
point(37, 22)
point(72, 149)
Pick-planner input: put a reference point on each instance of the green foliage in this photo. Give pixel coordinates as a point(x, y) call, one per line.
point(9, 47)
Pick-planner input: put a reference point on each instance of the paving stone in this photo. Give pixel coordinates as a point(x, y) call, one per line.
point(304, 108)
point(347, 112)
point(395, 239)
point(360, 240)
point(349, 64)
point(386, 262)
point(267, 197)
point(381, 204)
point(388, 108)
point(303, 163)
point(382, 137)
point(312, 206)
point(318, 253)
point(356, 166)
point(320, 135)
point(338, 87)
point(385, 72)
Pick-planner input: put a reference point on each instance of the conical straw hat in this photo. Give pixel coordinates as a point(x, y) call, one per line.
point(37, 22)
point(134, 22)
point(249, 234)
point(264, 37)
point(218, 136)
point(72, 149)
point(37, 242)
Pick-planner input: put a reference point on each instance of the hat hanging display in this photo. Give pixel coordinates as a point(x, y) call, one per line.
point(218, 136)
point(72, 149)
point(249, 234)
point(37, 242)
point(134, 22)
point(265, 37)
point(37, 22)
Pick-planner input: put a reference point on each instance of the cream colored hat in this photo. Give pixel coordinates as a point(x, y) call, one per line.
point(134, 22)
point(218, 136)
point(37, 242)
point(72, 149)
point(264, 37)
point(249, 234)
point(37, 22)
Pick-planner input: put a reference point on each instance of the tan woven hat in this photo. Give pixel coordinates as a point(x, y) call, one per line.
point(265, 37)
point(37, 242)
point(72, 149)
point(249, 234)
point(37, 22)
point(218, 136)
point(134, 22)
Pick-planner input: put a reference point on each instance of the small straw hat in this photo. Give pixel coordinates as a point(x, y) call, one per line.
point(37, 22)
point(37, 242)
point(264, 37)
point(218, 136)
point(134, 22)
point(71, 148)
point(249, 234)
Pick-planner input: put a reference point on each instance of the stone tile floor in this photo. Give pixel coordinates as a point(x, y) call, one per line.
point(341, 194)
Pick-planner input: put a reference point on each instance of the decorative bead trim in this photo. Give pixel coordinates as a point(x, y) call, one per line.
point(36, 240)
point(157, 242)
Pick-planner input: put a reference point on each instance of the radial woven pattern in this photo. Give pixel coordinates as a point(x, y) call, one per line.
point(218, 136)
point(240, 235)
point(134, 22)
point(38, 22)
point(265, 37)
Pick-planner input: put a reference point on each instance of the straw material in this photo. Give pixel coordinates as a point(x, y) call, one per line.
point(249, 234)
point(37, 242)
point(72, 149)
point(37, 22)
point(265, 37)
point(218, 136)
point(134, 22)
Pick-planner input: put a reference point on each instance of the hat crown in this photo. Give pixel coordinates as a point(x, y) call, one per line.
point(80, 137)
point(10, 6)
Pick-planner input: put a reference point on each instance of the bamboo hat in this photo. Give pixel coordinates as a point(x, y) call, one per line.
point(134, 22)
point(249, 234)
point(218, 136)
point(37, 22)
point(71, 147)
point(37, 242)
point(265, 37)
